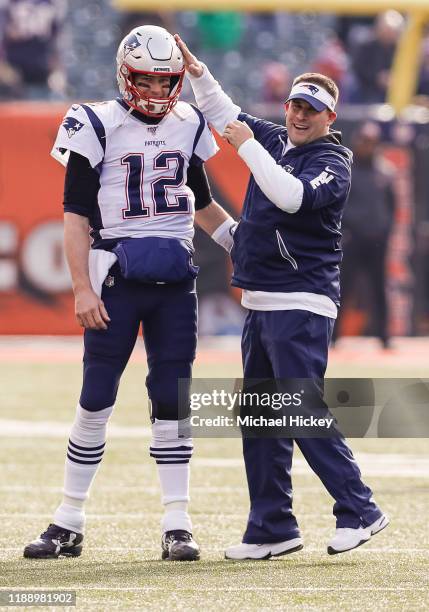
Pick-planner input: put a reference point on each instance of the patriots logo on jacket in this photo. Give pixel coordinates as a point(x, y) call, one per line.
point(130, 44)
point(72, 125)
point(313, 89)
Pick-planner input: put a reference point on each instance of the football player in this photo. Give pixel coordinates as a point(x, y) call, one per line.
point(135, 179)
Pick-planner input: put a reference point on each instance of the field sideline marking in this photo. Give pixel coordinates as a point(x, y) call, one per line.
point(395, 465)
point(407, 352)
point(220, 589)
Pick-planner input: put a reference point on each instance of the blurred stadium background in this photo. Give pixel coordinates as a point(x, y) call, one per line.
point(53, 52)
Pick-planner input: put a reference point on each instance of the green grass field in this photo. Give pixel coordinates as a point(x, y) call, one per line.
point(121, 567)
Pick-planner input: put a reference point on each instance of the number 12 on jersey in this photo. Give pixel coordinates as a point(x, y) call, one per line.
point(159, 186)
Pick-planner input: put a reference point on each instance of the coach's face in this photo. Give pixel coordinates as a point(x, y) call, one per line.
point(305, 124)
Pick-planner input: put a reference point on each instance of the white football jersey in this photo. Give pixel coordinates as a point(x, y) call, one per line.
point(143, 167)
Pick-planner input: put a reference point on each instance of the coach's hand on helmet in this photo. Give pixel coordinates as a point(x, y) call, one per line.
point(90, 310)
point(192, 64)
point(236, 132)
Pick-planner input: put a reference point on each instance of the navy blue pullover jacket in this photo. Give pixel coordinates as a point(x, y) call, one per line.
point(279, 251)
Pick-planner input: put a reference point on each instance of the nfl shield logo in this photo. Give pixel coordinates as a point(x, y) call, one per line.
point(110, 281)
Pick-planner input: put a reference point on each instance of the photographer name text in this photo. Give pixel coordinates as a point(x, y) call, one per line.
point(252, 421)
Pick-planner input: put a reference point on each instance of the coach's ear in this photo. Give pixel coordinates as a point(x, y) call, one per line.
point(332, 115)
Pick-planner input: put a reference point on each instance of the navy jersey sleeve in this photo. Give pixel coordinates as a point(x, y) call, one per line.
point(81, 186)
point(263, 130)
point(326, 182)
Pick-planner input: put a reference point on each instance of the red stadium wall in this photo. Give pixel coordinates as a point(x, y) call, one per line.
point(34, 283)
point(35, 294)
point(35, 289)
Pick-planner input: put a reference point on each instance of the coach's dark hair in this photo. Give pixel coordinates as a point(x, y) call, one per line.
point(319, 79)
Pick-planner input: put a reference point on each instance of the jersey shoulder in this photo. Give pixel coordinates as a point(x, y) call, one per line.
point(189, 112)
point(109, 113)
point(84, 129)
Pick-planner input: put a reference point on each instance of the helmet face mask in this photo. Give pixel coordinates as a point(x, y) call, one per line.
point(149, 50)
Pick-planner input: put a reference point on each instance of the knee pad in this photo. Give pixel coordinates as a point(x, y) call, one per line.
point(171, 442)
point(100, 385)
point(169, 399)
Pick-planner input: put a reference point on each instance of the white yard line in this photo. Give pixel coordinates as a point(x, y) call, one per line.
point(239, 589)
point(395, 465)
point(58, 429)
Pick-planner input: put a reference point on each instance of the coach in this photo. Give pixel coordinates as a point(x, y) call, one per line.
point(286, 256)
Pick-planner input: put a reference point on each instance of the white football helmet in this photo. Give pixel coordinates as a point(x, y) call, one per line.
point(149, 50)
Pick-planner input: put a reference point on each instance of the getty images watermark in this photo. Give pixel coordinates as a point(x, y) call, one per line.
point(301, 408)
point(275, 401)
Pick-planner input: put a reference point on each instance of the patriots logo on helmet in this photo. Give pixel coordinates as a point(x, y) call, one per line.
point(313, 89)
point(130, 44)
point(72, 125)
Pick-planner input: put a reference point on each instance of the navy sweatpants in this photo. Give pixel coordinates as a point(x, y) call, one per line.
point(294, 344)
point(168, 314)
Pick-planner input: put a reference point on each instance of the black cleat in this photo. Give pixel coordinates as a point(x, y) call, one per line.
point(55, 541)
point(178, 545)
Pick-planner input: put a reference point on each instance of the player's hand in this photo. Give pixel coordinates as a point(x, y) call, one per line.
point(90, 310)
point(192, 64)
point(237, 132)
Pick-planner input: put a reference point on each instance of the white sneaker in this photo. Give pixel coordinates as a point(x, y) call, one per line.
point(263, 551)
point(346, 538)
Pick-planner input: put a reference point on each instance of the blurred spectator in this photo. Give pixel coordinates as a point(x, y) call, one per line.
point(372, 59)
point(276, 82)
point(30, 60)
point(333, 61)
point(350, 29)
point(367, 223)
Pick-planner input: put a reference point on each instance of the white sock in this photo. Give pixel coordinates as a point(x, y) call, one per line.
point(172, 455)
point(84, 454)
point(176, 517)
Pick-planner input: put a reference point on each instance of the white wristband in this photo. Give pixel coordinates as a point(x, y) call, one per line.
point(223, 235)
